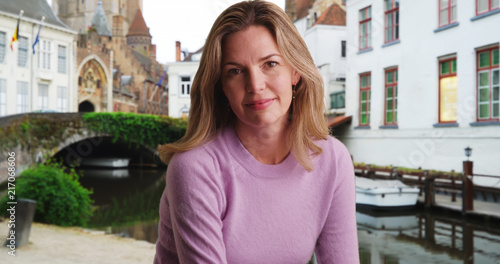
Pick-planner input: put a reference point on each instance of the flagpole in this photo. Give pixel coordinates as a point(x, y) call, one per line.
point(38, 35)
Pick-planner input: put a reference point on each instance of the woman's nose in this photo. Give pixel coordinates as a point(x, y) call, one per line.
point(255, 81)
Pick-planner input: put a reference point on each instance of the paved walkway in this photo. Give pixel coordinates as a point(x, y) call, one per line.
point(59, 245)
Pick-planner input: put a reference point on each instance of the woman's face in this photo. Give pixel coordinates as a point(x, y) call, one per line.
point(256, 79)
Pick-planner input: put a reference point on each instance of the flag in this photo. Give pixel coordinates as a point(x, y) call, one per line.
point(16, 33)
point(161, 80)
point(37, 35)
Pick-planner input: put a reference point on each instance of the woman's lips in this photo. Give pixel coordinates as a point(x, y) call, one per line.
point(260, 104)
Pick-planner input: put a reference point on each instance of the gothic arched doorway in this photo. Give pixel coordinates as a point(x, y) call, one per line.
point(86, 106)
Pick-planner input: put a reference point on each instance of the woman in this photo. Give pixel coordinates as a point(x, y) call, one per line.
point(256, 178)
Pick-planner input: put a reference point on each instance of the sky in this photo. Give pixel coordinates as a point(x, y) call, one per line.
point(187, 21)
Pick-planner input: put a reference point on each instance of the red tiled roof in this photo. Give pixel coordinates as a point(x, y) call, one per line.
point(138, 26)
point(303, 7)
point(333, 15)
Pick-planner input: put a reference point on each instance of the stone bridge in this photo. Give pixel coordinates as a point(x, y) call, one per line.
point(36, 137)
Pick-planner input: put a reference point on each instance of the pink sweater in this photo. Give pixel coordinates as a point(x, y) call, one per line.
point(221, 205)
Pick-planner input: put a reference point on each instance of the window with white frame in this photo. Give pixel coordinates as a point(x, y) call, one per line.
point(61, 59)
point(44, 55)
point(185, 85)
point(488, 81)
point(22, 97)
point(43, 96)
point(447, 12)
point(365, 28)
point(22, 57)
point(391, 9)
point(62, 99)
point(3, 45)
point(484, 6)
point(3, 97)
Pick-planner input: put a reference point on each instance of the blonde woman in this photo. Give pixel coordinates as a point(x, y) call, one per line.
point(257, 178)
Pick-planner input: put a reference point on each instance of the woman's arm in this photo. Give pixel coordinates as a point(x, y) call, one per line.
point(338, 241)
point(190, 227)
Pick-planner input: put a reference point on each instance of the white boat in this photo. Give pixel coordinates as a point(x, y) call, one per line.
point(384, 194)
point(107, 173)
point(105, 162)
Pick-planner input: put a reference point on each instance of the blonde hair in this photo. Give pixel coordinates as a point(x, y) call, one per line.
point(208, 113)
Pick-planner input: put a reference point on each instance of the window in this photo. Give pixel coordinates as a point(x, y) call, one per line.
point(44, 55)
point(62, 99)
point(3, 41)
point(488, 85)
point(391, 8)
point(337, 100)
point(484, 6)
point(365, 28)
point(185, 85)
point(447, 12)
point(3, 97)
point(391, 96)
point(22, 97)
point(61, 59)
point(365, 83)
point(343, 51)
point(43, 96)
point(448, 90)
point(22, 56)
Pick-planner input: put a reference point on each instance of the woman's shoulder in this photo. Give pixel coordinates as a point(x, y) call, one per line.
point(207, 153)
point(332, 146)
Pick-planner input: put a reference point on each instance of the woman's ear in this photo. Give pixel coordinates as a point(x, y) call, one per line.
point(296, 77)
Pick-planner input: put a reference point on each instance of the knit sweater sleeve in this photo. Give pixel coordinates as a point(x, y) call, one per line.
point(337, 242)
point(191, 209)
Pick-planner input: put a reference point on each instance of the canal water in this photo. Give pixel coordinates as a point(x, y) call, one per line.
point(127, 205)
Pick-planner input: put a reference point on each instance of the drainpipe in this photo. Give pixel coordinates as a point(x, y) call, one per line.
point(110, 82)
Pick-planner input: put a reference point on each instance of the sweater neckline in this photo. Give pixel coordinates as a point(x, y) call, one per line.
point(252, 165)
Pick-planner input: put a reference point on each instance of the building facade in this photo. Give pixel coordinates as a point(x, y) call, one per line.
point(118, 72)
point(422, 90)
point(322, 25)
point(78, 15)
point(35, 77)
point(180, 77)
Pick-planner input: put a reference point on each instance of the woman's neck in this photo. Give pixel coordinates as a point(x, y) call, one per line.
point(268, 145)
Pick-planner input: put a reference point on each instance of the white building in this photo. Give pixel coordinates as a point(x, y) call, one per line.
point(323, 29)
point(180, 77)
point(40, 81)
point(424, 85)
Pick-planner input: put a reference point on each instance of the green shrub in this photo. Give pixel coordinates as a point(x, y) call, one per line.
point(61, 200)
point(149, 130)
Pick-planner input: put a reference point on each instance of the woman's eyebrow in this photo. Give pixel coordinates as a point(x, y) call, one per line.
point(260, 60)
point(269, 56)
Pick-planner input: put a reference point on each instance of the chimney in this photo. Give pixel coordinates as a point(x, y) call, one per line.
point(177, 51)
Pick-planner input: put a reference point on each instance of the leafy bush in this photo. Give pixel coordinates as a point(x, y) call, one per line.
point(61, 200)
point(149, 130)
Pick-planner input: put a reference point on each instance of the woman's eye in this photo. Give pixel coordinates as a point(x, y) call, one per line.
point(271, 64)
point(233, 72)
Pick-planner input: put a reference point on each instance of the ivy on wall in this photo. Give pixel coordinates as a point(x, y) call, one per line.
point(141, 129)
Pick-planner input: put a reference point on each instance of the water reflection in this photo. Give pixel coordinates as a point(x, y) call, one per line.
point(128, 206)
point(424, 238)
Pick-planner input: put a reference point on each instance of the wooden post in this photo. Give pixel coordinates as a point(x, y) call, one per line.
point(453, 192)
point(467, 188)
point(468, 243)
point(429, 190)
